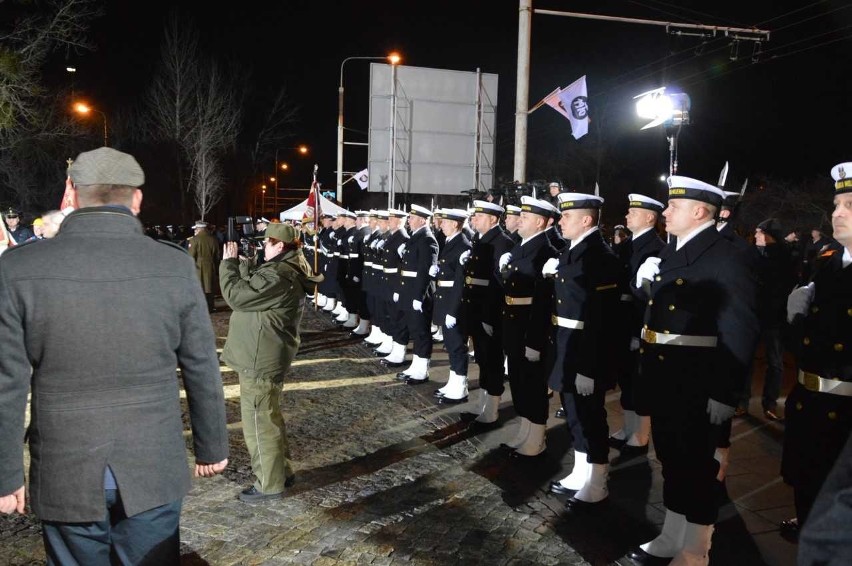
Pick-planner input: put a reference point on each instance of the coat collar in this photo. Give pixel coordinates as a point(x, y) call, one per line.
point(690, 251)
point(100, 219)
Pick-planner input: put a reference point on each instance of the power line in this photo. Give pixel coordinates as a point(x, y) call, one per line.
point(704, 14)
point(791, 12)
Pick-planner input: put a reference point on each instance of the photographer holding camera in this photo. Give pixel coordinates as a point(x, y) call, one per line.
point(263, 338)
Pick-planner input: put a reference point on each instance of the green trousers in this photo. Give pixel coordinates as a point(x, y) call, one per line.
point(265, 433)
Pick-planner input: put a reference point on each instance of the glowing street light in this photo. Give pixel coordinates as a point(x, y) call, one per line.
point(85, 109)
point(669, 110)
point(394, 59)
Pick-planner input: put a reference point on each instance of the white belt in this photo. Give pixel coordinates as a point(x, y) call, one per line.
point(409, 274)
point(336, 254)
point(626, 298)
point(353, 255)
point(368, 264)
point(390, 269)
point(474, 281)
point(378, 266)
point(445, 283)
point(653, 337)
point(813, 382)
point(518, 300)
point(567, 322)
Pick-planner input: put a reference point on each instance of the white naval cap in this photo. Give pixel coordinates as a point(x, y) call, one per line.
point(570, 201)
point(396, 213)
point(454, 214)
point(842, 175)
point(536, 206)
point(421, 211)
point(512, 210)
point(362, 213)
point(693, 189)
point(486, 207)
point(641, 201)
point(382, 214)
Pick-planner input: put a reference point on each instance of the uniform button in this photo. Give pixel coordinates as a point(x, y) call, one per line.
point(645, 327)
point(661, 357)
point(641, 350)
point(562, 280)
point(511, 316)
point(832, 416)
point(516, 269)
point(559, 301)
point(651, 302)
point(671, 307)
point(658, 278)
point(799, 406)
point(806, 341)
point(814, 309)
point(838, 347)
point(679, 281)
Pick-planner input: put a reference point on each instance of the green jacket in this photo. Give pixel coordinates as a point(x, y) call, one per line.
point(267, 304)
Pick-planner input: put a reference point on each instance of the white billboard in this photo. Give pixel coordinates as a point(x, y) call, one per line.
point(441, 137)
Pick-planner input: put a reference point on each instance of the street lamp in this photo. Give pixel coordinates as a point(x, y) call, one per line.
point(669, 110)
point(301, 149)
point(85, 109)
point(393, 59)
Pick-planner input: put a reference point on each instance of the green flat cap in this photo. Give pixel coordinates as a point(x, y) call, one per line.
point(106, 166)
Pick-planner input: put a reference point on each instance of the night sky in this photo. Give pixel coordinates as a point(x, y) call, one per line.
point(787, 115)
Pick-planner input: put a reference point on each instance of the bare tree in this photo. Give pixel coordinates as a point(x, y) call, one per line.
point(215, 123)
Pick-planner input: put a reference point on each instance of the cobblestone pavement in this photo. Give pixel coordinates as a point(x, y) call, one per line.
point(386, 476)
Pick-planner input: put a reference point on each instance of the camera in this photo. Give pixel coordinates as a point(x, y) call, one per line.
point(241, 230)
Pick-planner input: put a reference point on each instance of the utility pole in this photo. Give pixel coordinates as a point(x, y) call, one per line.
point(522, 96)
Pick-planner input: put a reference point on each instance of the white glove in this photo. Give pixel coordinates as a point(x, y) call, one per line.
point(585, 385)
point(396, 297)
point(647, 270)
point(488, 329)
point(323, 250)
point(417, 305)
point(719, 412)
point(634, 344)
point(450, 321)
point(550, 267)
point(374, 243)
point(504, 261)
point(381, 244)
point(401, 250)
point(532, 355)
point(799, 301)
point(464, 257)
point(355, 279)
point(333, 235)
point(433, 271)
point(351, 239)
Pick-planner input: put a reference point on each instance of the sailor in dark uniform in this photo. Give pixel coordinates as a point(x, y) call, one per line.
point(393, 348)
point(348, 316)
point(556, 240)
point(526, 324)
point(483, 297)
point(447, 311)
point(643, 214)
point(338, 262)
point(325, 297)
point(696, 347)
point(416, 290)
point(589, 281)
point(358, 254)
point(436, 229)
point(512, 220)
point(819, 409)
point(377, 291)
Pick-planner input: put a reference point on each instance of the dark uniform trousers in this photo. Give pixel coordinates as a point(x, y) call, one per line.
point(589, 282)
point(818, 424)
point(397, 319)
point(421, 253)
point(481, 304)
point(448, 301)
point(641, 248)
point(705, 293)
point(527, 326)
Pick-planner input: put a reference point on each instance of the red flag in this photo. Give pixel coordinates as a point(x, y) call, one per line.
point(67, 199)
point(311, 215)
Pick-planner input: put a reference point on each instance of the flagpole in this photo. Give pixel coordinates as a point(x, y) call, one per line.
point(316, 232)
point(542, 101)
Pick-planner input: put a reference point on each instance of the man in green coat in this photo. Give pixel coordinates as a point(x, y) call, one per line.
point(203, 248)
point(263, 338)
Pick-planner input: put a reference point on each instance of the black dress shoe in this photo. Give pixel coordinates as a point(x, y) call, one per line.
point(642, 558)
point(437, 394)
point(628, 450)
point(524, 458)
point(560, 413)
point(575, 505)
point(449, 401)
point(790, 530)
point(559, 489)
point(356, 335)
point(250, 495)
point(615, 442)
point(468, 417)
point(391, 365)
point(402, 375)
point(411, 381)
point(505, 446)
point(380, 354)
